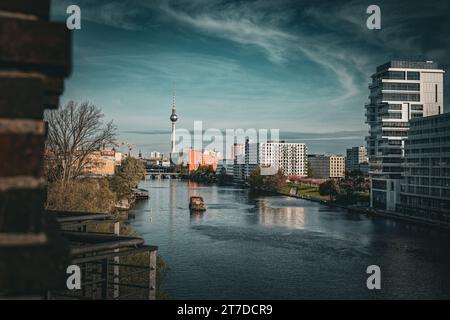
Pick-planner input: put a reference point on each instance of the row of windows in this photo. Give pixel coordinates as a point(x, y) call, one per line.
point(428, 140)
point(401, 75)
point(401, 97)
point(393, 115)
point(396, 124)
point(401, 86)
point(389, 133)
point(425, 203)
point(426, 181)
point(431, 130)
point(436, 172)
point(423, 150)
point(429, 161)
point(395, 107)
point(393, 75)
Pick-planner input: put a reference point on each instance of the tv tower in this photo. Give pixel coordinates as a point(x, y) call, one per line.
point(173, 119)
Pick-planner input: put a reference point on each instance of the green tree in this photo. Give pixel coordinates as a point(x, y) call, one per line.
point(128, 175)
point(255, 180)
point(310, 172)
point(223, 178)
point(329, 188)
point(272, 183)
point(203, 174)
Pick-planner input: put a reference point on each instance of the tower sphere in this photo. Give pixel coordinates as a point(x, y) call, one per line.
point(173, 117)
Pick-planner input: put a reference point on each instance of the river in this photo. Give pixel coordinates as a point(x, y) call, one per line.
point(274, 247)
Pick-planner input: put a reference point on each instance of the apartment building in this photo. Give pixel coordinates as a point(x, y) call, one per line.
point(400, 91)
point(425, 190)
point(327, 166)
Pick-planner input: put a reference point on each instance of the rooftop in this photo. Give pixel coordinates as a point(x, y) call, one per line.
point(409, 64)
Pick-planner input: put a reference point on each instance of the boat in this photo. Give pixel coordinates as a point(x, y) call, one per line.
point(196, 204)
point(140, 194)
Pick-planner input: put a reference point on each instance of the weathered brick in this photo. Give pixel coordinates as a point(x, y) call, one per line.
point(35, 46)
point(15, 208)
point(21, 154)
point(54, 87)
point(21, 97)
point(39, 8)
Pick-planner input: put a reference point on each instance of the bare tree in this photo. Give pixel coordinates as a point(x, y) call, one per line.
point(75, 132)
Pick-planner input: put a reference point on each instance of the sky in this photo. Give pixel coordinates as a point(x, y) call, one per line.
point(302, 67)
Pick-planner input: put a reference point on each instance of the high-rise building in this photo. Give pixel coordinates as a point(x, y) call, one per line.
point(356, 159)
point(291, 158)
point(327, 166)
point(400, 91)
point(270, 157)
point(237, 149)
point(425, 191)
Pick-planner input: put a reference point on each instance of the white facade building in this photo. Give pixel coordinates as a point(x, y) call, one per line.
point(400, 91)
point(291, 158)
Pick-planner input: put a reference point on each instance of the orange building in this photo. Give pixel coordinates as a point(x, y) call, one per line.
point(101, 163)
point(198, 158)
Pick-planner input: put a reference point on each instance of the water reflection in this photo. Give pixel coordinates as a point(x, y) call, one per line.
point(291, 217)
point(172, 206)
point(196, 216)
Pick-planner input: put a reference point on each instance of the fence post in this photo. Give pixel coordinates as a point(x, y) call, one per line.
point(116, 290)
point(152, 275)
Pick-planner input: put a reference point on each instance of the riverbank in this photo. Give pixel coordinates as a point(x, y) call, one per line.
point(373, 212)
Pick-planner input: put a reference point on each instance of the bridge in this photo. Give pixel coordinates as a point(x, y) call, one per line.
point(163, 175)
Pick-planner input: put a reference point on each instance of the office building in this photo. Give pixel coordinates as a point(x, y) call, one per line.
point(327, 166)
point(357, 159)
point(425, 190)
point(400, 91)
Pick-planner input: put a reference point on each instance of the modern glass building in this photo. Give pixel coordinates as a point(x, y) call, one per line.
point(425, 191)
point(356, 159)
point(400, 91)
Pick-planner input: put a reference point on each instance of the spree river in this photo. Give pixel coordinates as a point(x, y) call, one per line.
point(273, 247)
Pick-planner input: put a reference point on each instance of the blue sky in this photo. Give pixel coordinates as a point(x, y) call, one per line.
point(300, 66)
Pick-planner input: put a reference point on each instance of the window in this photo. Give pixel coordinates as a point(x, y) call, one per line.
point(401, 86)
point(393, 115)
point(395, 107)
point(413, 75)
point(401, 97)
point(393, 75)
point(436, 92)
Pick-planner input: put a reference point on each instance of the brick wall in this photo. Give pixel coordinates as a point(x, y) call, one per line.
point(35, 57)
